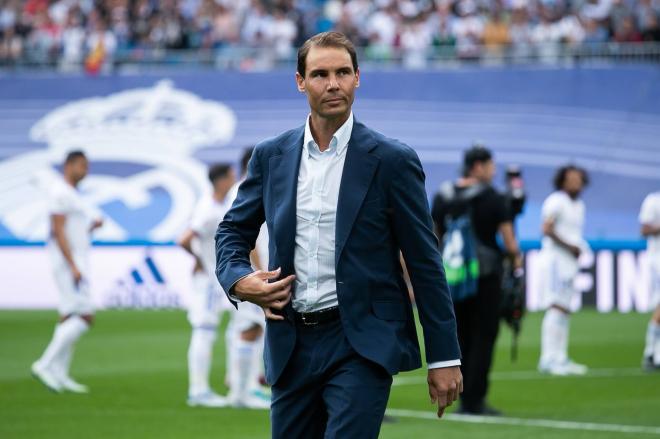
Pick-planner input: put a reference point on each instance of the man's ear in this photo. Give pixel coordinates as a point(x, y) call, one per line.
point(300, 82)
point(357, 77)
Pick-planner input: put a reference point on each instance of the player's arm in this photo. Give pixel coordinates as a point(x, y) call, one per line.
point(255, 260)
point(95, 224)
point(57, 222)
point(649, 230)
point(185, 242)
point(510, 243)
point(548, 229)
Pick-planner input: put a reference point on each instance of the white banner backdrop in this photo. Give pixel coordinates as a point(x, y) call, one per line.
point(121, 277)
point(159, 277)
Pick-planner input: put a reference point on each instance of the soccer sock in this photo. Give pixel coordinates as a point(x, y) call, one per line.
point(554, 337)
point(650, 338)
point(562, 331)
point(656, 345)
point(199, 360)
point(256, 362)
point(241, 359)
point(64, 337)
point(63, 362)
point(230, 335)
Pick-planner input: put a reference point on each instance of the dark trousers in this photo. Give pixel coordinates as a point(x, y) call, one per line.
point(327, 390)
point(478, 325)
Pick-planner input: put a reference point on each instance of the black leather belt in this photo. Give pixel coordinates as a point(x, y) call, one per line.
point(318, 317)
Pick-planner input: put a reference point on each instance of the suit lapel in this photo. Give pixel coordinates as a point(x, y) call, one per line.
point(284, 180)
point(359, 169)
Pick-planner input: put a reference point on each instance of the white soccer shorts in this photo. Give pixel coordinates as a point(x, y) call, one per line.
point(74, 299)
point(206, 301)
point(655, 285)
point(247, 316)
point(557, 279)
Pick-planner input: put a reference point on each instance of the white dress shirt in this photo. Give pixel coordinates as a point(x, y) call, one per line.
point(319, 180)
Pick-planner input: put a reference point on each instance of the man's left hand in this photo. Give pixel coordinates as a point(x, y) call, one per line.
point(445, 384)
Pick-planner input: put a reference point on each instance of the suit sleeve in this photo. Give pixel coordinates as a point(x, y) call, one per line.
point(413, 229)
point(238, 231)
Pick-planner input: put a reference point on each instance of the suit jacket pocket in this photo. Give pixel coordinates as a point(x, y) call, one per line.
point(389, 310)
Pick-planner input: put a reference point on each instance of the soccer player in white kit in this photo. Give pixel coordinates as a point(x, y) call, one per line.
point(207, 298)
point(245, 334)
point(563, 215)
point(71, 224)
point(649, 217)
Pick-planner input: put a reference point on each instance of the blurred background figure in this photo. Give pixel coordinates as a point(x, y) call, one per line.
point(563, 216)
point(245, 334)
point(206, 298)
point(649, 217)
point(72, 222)
point(474, 199)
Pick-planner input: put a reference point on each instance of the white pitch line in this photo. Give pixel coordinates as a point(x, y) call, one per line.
point(524, 375)
point(543, 423)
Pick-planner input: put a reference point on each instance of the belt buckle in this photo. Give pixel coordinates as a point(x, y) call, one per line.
point(308, 322)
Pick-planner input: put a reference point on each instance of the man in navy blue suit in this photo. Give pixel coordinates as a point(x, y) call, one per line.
point(340, 202)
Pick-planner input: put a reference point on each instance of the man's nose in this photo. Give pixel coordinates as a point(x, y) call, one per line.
point(333, 84)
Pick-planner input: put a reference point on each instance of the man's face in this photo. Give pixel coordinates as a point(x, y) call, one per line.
point(223, 184)
point(484, 171)
point(329, 81)
point(77, 169)
point(489, 171)
point(573, 183)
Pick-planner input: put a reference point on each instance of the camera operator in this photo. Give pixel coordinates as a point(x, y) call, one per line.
point(473, 200)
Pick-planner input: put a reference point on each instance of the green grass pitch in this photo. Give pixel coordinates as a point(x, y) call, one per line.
point(135, 364)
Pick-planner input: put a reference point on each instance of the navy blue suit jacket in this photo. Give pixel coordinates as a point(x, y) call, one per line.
point(382, 209)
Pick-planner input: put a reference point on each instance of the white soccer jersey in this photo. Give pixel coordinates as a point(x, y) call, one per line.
point(66, 200)
point(204, 223)
point(568, 216)
point(650, 214)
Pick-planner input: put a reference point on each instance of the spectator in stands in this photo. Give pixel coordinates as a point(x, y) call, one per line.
point(546, 37)
point(496, 34)
point(569, 30)
point(652, 31)
point(468, 30)
point(441, 23)
point(382, 31)
point(73, 43)
point(34, 30)
point(415, 40)
point(594, 32)
point(283, 34)
point(627, 32)
point(520, 30)
point(226, 30)
point(646, 12)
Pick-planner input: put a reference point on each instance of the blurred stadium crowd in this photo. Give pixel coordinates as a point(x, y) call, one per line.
point(68, 32)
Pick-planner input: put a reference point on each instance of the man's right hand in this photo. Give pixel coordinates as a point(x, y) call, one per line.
point(255, 288)
point(575, 251)
point(77, 276)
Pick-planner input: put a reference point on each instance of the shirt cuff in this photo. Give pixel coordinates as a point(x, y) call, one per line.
point(442, 364)
point(231, 294)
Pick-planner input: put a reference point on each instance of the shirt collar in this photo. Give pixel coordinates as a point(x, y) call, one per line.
point(339, 140)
